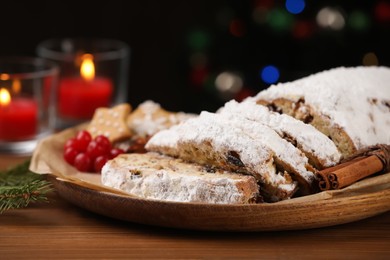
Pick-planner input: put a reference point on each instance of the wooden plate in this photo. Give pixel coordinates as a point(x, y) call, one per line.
point(361, 200)
point(300, 213)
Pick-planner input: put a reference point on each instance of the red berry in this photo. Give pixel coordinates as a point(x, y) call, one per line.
point(70, 143)
point(104, 141)
point(99, 162)
point(70, 154)
point(83, 138)
point(94, 149)
point(83, 162)
point(114, 152)
point(87, 154)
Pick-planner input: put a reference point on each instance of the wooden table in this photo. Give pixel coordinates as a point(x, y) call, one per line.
point(58, 230)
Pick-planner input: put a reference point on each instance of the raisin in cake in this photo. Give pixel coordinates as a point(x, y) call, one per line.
point(351, 105)
point(154, 176)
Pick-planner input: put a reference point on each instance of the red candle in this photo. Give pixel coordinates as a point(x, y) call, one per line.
point(80, 96)
point(18, 117)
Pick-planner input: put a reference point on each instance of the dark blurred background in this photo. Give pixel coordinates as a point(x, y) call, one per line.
point(195, 55)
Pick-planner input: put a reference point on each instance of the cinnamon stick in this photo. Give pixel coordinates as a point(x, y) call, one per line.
point(323, 179)
point(372, 160)
point(354, 172)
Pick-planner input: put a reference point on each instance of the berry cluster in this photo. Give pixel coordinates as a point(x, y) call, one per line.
point(89, 154)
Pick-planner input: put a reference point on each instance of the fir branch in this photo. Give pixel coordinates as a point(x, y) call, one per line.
point(19, 187)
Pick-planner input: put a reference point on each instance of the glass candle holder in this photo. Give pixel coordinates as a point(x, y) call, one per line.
point(93, 73)
point(27, 102)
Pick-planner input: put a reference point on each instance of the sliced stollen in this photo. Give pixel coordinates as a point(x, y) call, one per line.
point(214, 141)
point(155, 176)
point(288, 159)
point(320, 150)
point(350, 105)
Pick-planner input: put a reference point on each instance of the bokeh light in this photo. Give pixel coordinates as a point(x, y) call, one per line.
point(303, 29)
point(358, 21)
point(370, 59)
point(228, 84)
point(198, 76)
point(268, 4)
point(237, 28)
point(198, 40)
point(244, 93)
point(269, 74)
point(332, 18)
point(382, 11)
point(295, 6)
point(280, 20)
point(259, 15)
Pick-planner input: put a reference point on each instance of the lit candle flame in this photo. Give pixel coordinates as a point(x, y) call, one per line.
point(4, 76)
point(16, 86)
point(87, 69)
point(5, 97)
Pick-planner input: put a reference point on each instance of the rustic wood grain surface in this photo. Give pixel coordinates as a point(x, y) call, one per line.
point(61, 230)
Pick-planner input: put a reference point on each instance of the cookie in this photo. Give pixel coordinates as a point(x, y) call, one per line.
point(111, 122)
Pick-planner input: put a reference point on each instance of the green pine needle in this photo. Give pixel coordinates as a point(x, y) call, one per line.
point(19, 187)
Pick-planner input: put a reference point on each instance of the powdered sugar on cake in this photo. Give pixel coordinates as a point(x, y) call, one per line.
point(306, 136)
point(356, 99)
point(149, 124)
